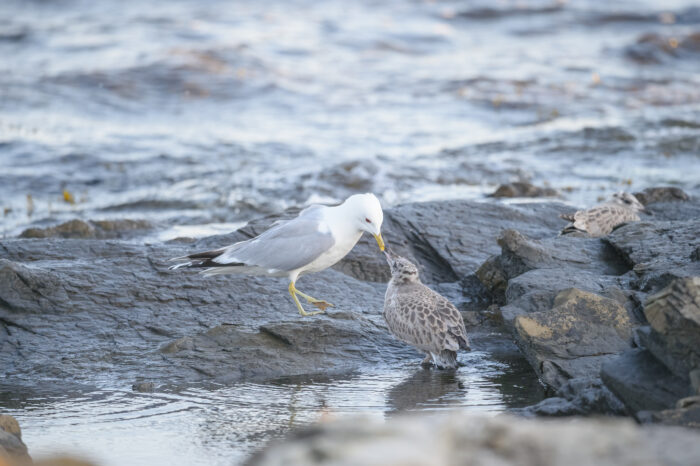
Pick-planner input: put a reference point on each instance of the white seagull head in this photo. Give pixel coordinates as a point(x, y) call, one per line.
point(366, 212)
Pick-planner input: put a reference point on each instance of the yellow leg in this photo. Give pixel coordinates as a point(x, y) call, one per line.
point(294, 292)
point(319, 303)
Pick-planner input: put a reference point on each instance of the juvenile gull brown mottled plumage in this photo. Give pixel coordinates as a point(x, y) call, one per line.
point(421, 317)
point(602, 219)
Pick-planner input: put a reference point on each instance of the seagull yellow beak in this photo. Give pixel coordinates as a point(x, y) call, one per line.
point(380, 241)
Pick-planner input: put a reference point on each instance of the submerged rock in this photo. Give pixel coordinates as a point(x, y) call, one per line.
point(523, 189)
point(467, 438)
point(99, 229)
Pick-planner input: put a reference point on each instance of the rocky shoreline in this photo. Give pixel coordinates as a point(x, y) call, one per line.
point(609, 325)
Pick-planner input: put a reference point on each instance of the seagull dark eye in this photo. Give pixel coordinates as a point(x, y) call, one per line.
point(368, 220)
point(626, 201)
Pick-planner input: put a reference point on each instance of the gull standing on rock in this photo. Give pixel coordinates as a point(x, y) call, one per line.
point(602, 219)
point(313, 241)
point(421, 317)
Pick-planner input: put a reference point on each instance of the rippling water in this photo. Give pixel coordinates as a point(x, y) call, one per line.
point(211, 113)
point(200, 115)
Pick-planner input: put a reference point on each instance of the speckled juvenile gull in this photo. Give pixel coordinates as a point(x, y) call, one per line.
point(602, 219)
point(316, 239)
point(421, 317)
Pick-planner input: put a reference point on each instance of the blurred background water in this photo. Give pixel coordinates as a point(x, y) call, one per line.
point(203, 114)
point(200, 115)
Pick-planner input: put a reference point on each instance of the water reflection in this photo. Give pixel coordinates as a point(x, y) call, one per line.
point(425, 386)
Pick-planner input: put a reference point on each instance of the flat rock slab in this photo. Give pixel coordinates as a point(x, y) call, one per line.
point(336, 344)
point(468, 438)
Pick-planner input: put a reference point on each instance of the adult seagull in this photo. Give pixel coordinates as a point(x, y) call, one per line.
point(313, 241)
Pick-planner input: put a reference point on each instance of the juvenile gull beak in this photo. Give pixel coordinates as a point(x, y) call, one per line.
point(389, 259)
point(380, 241)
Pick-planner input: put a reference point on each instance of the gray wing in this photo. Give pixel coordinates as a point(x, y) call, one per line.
point(285, 247)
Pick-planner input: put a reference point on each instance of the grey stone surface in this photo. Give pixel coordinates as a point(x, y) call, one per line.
point(578, 396)
point(674, 317)
point(574, 337)
point(643, 383)
point(466, 438)
point(658, 251)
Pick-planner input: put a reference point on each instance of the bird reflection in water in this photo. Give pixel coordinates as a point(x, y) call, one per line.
point(425, 387)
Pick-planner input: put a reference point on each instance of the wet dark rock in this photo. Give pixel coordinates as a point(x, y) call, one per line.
point(653, 382)
point(578, 396)
point(338, 343)
point(449, 239)
point(113, 309)
point(686, 413)
point(661, 194)
point(674, 318)
point(11, 445)
point(97, 229)
point(658, 251)
point(523, 189)
point(643, 383)
point(462, 437)
point(529, 276)
point(575, 337)
point(529, 273)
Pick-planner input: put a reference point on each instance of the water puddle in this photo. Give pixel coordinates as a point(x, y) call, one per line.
point(223, 425)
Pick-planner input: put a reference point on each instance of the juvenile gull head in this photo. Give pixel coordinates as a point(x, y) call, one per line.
point(421, 317)
point(313, 241)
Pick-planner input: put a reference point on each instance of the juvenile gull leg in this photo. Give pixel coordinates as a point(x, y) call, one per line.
point(293, 291)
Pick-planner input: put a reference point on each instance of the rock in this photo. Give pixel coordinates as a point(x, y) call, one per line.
point(642, 383)
point(144, 387)
point(93, 308)
point(557, 263)
point(575, 337)
point(463, 437)
point(11, 445)
point(661, 194)
point(653, 48)
point(685, 414)
point(100, 229)
point(523, 189)
point(578, 396)
point(338, 343)
point(658, 251)
point(674, 317)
